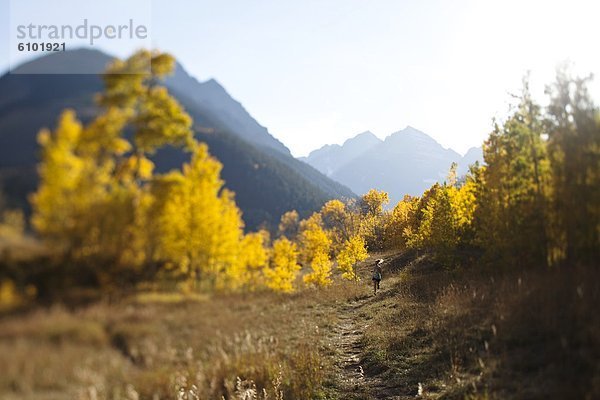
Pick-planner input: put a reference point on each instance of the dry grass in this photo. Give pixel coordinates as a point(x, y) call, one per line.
point(465, 335)
point(430, 333)
point(164, 346)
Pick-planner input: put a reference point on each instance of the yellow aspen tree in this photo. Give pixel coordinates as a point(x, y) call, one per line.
point(226, 240)
point(169, 227)
point(464, 203)
point(289, 225)
point(337, 223)
point(437, 230)
point(60, 175)
point(399, 223)
point(93, 196)
point(252, 261)
point(157, 118)
point(134, 101)
point(320, 275)
point(199, 222)
point(284, 268)
point(315, 247)
point(373, 201)
point(414, 233)
point(353, 252)
point(71, 189)
point(373, 218)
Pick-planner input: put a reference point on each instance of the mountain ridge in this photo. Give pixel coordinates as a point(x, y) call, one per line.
point(407, 161)
point(230, 112)
point(328, 156)
point(258, 168)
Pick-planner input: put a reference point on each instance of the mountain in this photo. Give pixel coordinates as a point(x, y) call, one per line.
point(215, 100)
point(406, 162)
point(267, 180)
point(473, 155)
point(329, 157)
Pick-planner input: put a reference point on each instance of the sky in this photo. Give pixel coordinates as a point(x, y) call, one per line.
point(317, 72)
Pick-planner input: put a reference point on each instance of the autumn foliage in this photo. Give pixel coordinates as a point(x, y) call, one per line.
point(535, 201)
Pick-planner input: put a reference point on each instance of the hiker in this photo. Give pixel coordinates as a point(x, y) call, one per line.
point(377, 275)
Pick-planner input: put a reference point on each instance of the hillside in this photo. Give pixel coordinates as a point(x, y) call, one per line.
point(267, 180)
point(215, 101)
point(406, 162)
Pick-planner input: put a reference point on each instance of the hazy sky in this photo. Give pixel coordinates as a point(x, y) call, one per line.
point(317, 72)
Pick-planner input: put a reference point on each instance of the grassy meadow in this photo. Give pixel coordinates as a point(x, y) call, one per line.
point(429, 333)
point(154, 345)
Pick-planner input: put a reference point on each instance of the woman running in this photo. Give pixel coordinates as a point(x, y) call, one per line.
point(377, 275)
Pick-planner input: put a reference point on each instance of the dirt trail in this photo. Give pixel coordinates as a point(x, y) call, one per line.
point(355, 380)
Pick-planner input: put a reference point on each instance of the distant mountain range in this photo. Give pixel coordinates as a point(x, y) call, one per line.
point(406, 162)
point(267, 180)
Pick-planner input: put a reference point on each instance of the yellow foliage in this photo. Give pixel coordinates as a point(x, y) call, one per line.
point(339, 222)
point(447, 218)
point(352, 252)
point(373, 218)
point(289, 225)
point(253, 259)
point(315, 246)
point(463, 203)
point(333, 213)
point(373, 201)
point(320, 274)
point(98, 194)
point(284, 267)
point(161, 121)
point(200, 226)
point(399, 225)
point(313, 238)
point(71, 186)
point(136, 167)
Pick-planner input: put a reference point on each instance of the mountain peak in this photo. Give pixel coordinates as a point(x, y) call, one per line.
point(90, 61)
point(407, 161)
point(330, 157)
point(213, 84)
point(413, 132)
point(366, 137)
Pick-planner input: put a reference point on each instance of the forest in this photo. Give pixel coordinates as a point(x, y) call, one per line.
point(108, 235)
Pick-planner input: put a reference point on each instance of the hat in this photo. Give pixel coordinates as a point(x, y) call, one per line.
point(380, 261)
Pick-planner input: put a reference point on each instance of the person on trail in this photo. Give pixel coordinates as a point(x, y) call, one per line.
point(377, 275)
